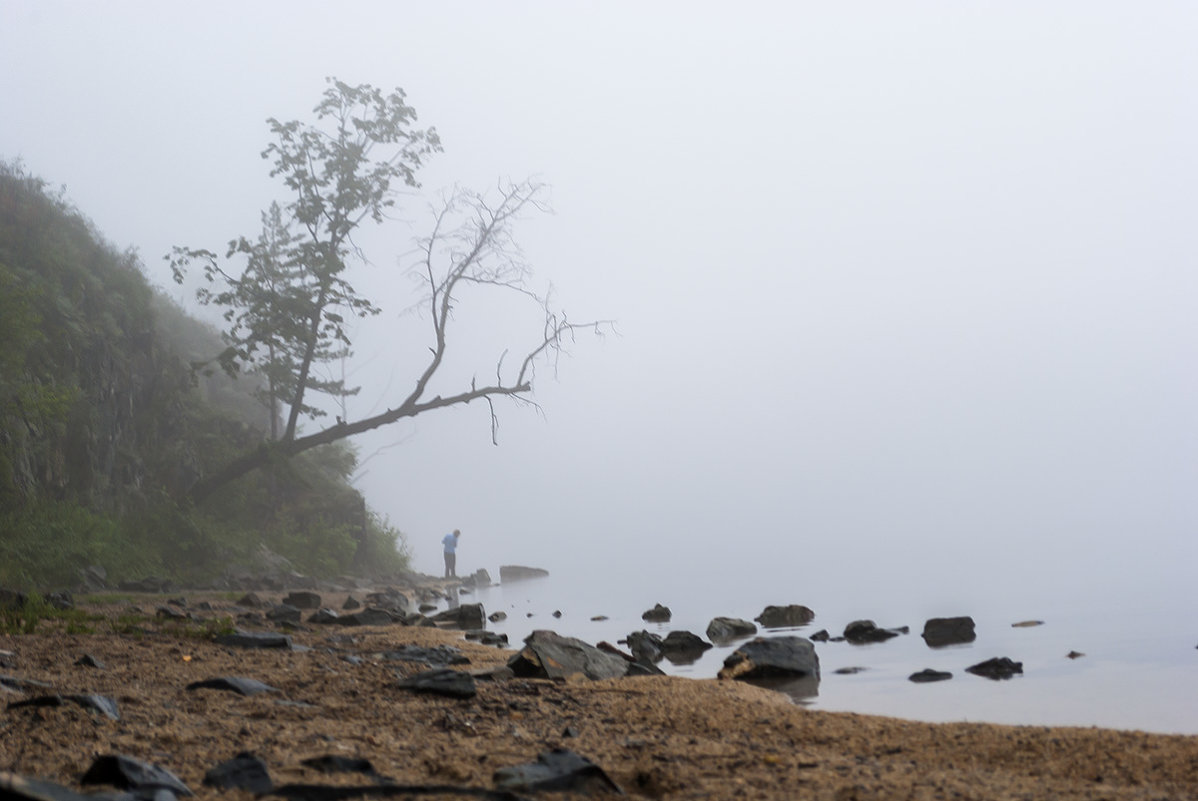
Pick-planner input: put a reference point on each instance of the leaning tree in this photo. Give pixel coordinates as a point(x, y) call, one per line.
point(287, 299)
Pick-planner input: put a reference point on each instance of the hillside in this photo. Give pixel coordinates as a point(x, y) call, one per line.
point(105, 422)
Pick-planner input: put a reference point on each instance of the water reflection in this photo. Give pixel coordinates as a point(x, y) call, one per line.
point(802, 690)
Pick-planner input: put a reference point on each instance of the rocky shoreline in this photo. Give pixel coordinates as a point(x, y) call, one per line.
point(364, 694)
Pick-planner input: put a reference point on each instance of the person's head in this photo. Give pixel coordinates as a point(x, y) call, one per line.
point(456, 533)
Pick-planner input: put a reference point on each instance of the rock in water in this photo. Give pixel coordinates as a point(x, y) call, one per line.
point(941, 631)
point(243, 772)
point(658, 614)
point(777, 617)
point(519, 573)
point(998, 668)
point(928, 675)
point(558, 770)
point(127, 773)
point(442, 681)
point(546, 655)
point(772, 657)
point(866, 631)
point(683, 643)
point(726, 629)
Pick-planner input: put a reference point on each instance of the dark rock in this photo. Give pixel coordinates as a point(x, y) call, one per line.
point(426, 608)
point(792, 615)
point(255, 639)
point(683, 643)
point(236, 684)
point(11, 599)
point(179, 602)
point(324, 616)
point(351, 603)
point(772, 657)
point(251, 601)
point(644, 669)
point(91, 702)
point(436, 655)
point(303, 600)
point(547, 655)
point(557, 613)
point(284, 613)
point(849, 671)
point(726, 629)
point(479, 578)
point(495, 617)
point(598, 618)
point(20, 788)
point(941, 631)
point(928, 675)
point(1074, 655)
point(61, 600)
point(370, 616)
point(465, 616)
point(87, 660)
point(821, 636)
point(658, 614)
point(866, 631)
point(205, 606)
point(243, 772)
point(509, 573)
point(167, 612)
point(1027, 624)
point(608, 648)
point(442, 681)
point(998, 668)
point(645, 646)
point(390, 599)
point(127, 773)
point(487, 638)
point(558, 770)
point(335, 763)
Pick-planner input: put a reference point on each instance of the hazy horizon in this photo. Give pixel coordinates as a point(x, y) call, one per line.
point(903, 295)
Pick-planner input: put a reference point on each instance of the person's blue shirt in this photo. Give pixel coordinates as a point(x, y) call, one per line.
point(451, 543)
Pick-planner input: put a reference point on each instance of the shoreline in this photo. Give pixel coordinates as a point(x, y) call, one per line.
point(655, 737)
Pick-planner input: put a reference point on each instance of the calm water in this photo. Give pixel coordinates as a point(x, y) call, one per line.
point(1140, 669)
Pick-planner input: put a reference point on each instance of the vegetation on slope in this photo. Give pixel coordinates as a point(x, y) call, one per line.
point(104, 425)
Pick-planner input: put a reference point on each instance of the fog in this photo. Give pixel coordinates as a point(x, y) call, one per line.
point(903, 294)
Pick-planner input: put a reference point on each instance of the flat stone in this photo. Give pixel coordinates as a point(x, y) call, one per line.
point(442, 681)
point(243, 772)
point(255, 639)
point(928, 675)
point(550, 656)
point(508, 573)
point(558, 770)
point(127, 773)
point(237, 684)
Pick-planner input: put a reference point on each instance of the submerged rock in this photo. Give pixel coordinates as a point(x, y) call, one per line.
point(772, 657)
point(547, 655)
point(726, 629)
point(941, 631)
point(928, 675)
point(777, 617)
point(558, 770)
point(658, 614)
point(509, 573)
point(684, 644)
point(860, 632)
point(998, 668)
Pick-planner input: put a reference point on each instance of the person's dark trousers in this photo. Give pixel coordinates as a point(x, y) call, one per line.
point(450, 565)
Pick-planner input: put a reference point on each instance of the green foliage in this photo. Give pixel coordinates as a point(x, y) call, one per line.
point(26, 618)
point(104, 425)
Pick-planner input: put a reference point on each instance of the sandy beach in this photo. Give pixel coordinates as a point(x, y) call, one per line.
point(655, 737)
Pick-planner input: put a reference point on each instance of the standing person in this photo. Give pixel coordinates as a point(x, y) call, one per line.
point(450, 541)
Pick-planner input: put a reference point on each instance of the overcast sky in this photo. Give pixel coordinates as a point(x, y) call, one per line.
point(895, 283)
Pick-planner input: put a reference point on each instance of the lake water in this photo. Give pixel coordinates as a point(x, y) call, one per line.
point(1140, 669)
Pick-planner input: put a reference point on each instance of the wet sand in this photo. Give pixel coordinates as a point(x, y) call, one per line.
point(656, 737)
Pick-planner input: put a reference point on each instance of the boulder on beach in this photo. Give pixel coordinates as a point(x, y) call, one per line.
point(547, 655)
point(726, 629)
point(772, 657)
point(509, 573)
point(658, 614)
point(464, 616)
point(304, 599)
point(941, 631)
point(778, 617)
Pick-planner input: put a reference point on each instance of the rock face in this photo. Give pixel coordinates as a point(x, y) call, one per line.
point(772, 657)
point(726, 629)
point(658, 614)
point(777, 617)
point(546, 655)
point(941, 631)
point(519, 573)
